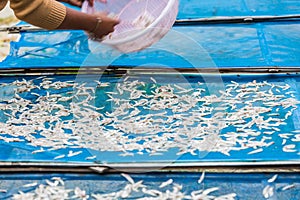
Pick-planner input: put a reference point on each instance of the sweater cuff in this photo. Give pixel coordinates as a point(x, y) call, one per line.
point(55, 17)
point(48, 14)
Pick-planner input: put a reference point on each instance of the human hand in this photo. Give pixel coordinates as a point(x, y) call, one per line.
point(104, 27)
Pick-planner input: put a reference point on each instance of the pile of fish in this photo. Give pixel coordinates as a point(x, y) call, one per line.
point(147, 117)
point(56, 188)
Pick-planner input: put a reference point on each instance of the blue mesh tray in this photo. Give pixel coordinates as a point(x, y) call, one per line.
point(245, 186)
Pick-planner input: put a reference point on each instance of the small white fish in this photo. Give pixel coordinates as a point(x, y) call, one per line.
point(91, 157)
point(30, 184)
point(153, 80)
point(289, 113)
point(201, 177)
point(98, 169)
point(283, 142)
point(38, 151)
point(285, 135)
point(113, 93)
point(125, 193)
point(268, 191)
point(269, 132)
point(126, 154)
point(270, 143)
point(151, 192)
point(128, 178)
point(287, 187)
point(185, 91)
point(275, 129)
point(271, 180)
point(210, 190)
point(60, 156)
point(36, 94)
point(59, 180)
point(179, 87)
point(166, 183)
point(136, 186)
point(291, 92)
point(53, 184)
point(255, 151)
point(40, 77)
point(155, 154)
point(296, 138)
point(71, 153)
point(289, 148)
point(126, 78)
point(273, 114)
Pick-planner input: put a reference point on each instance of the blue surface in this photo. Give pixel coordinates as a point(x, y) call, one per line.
point(20, 151)
point(246, 186)
point(233, 45)
point(211, 45)
point(215, 8)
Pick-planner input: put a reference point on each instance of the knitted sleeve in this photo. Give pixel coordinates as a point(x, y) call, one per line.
point(48, 14)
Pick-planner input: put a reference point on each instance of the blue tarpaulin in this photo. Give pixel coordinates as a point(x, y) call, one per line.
point(204, 45)
point(270, 140)
point(246, 186)
point(190, 9)
point(262, 44)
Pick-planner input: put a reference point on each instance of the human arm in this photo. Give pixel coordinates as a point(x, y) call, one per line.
point(50, 14)
point(82, 21)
